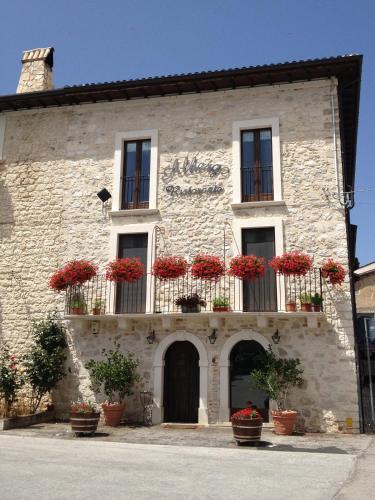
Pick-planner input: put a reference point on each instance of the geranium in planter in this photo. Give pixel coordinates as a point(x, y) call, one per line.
point(247, 425)
point(126, 270)
point(74, 273)
point(334, 272)
point(247, 267)
point(275, 377)
point(84, 418)
point(190, 303)
point(170, 267)
point(207, 267)
point(115, 375)
point(291, 263)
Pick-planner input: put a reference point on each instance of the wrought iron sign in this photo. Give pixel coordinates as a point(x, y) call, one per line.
point(193, 169)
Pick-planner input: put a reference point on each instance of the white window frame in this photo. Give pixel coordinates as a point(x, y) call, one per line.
point(148, 229)
point(263, 222)
point(121, 138)
point(2, 136)
point(256, 123)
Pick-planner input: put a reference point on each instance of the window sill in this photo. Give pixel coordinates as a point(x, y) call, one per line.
point(258, 204)
point(134, 212)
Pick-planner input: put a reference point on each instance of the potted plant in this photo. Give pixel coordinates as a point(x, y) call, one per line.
point(74, 273)
point(221, 304)
point(247, 267)
point(170, 267)
point(129, 270)
point(334, 272)
point(84, 418)
point(317, 302)
point(78, 304)
point(305, 299)
point(98, 307)
point(115, 374)
point(275, 377)
point(190, 303)
point(291, 306)
point(207, 267)
point(247, 425)
point(291, 263)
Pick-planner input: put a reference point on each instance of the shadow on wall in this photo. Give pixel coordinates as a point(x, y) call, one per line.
point(6, 213)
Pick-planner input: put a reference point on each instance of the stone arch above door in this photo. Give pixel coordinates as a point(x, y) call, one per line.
point(224, 364)
point(158, 371)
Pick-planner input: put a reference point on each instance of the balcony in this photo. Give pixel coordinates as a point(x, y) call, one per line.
point(151, 295)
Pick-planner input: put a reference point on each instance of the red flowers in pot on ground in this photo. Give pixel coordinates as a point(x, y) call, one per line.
point(75, 272)
point(291, 263)
point(247, 267)
point(207, 267)
point(169, 267)
point(129, 269)
point(334, 272)
point(247, 425)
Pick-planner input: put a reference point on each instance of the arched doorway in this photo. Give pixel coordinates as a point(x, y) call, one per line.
point(181, 383)
point(244, 357)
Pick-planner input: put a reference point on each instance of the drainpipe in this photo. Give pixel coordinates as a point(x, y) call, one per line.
point(333, 89)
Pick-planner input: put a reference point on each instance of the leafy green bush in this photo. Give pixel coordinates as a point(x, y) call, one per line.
point(276, 376)
point(117, 374)
point(44, 363)
point(10, 379)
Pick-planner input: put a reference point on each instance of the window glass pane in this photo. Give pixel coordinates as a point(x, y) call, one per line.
point(144, 187)
point(265, 148)
point(131, 155)
point(247, 149)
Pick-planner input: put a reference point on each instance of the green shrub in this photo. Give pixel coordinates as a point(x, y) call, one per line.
point(10, 379)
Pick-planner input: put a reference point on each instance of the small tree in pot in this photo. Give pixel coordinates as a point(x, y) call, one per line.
point(116, 375)
point(275, 377)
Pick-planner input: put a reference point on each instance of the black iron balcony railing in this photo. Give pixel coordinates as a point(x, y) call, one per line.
point(151, 295)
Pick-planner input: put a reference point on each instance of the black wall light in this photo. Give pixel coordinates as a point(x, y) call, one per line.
point(212, 338)
point(151, 337)
point(104, 195)
point(276, 337)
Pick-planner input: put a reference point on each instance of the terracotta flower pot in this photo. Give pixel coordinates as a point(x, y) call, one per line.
point(96, 311)
point(221, 309)
point(284, 421)
point(306, 307)
point(84, 423)
point(77, 310)
point(247, 430)
point(317, 308)
point(291, 307)
point(113, 413)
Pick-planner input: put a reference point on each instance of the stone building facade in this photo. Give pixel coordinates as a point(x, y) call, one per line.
point(58, 148)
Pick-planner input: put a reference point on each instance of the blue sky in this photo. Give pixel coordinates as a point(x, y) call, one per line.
point(98, 41)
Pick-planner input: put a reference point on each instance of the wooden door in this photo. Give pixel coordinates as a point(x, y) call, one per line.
point(181, 383)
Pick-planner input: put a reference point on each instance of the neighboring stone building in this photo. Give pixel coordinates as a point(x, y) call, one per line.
point(252, 160)
point(365, 290)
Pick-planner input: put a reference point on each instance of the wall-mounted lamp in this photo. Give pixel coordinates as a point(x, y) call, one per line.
point(104, 195)
point(276, 337)
point(151, 337)
point(212, 338)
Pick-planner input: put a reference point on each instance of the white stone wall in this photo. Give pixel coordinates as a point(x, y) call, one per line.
point(55, 160)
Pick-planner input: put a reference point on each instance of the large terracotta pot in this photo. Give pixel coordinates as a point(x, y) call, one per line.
point(284, 421)
point(84, 423)
point(247, 430)
point(113, 413)
point(306, 307)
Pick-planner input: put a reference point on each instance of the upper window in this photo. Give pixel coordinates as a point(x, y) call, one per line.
point(256, 165)
point(136, 174)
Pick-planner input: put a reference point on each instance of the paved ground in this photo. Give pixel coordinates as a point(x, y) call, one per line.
point(48, 462)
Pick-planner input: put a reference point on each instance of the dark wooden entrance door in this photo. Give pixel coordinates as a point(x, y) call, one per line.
point(181, 383)
point(245, 357)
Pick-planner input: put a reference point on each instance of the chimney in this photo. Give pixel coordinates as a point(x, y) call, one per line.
point(36, 73)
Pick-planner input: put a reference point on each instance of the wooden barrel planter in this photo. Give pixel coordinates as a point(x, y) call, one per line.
point(284, 422)
point(84, 423)
point(247, 430)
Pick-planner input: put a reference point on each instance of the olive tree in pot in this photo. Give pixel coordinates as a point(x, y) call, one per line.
point(116, 375)
point(275, 377)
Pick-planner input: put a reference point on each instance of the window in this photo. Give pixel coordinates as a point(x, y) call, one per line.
point(131, 297)
point(136, 174)
point(256, 165)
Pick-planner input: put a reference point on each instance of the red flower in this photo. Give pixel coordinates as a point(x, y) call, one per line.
point(247, 267)
point(334, 272)
point(171, 267)
point(291, 263)
point(247, 413)
point(207, 267)
point(75, 272)
point(125, 270)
